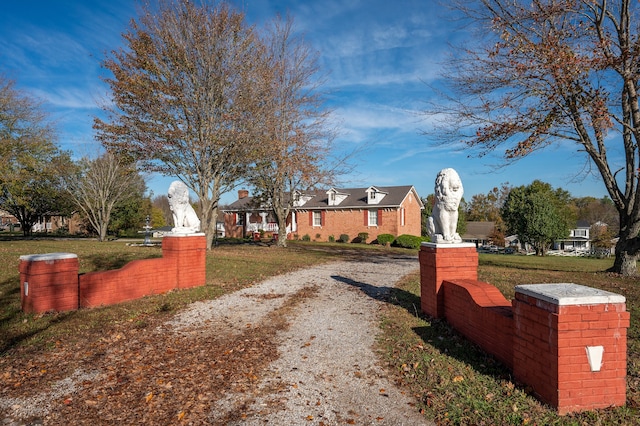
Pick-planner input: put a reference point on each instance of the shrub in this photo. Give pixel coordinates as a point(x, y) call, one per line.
point(306, 237)
point(361, 238)
point(344, 238)
point(332, 239)
point(385, 239)
point(408, 241)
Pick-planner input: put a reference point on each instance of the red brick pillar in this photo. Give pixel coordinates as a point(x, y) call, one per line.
point(49, 282)
point(570, 345)
point(440, 262)
point(189, 252)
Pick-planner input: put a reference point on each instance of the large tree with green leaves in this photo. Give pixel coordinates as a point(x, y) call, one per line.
point(185, 97)
point(30, 162)
point(543, 72)
point(538, 214)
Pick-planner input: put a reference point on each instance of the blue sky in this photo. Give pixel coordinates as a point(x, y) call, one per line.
point(381, 58)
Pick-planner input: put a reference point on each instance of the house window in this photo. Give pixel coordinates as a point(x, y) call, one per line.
point(373, 195)
point(317, 218)
point(373, 217)
point(402, 217)
point(580, 232)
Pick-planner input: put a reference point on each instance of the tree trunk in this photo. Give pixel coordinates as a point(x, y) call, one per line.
point(208, 225)
point(281, 217)
point(102, 232)
point(626, 262)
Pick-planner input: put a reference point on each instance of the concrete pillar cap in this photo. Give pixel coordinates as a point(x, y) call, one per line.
point(48, 257)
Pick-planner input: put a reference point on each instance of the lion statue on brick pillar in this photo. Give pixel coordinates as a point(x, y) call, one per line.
point(185, 220)
point(444, 217)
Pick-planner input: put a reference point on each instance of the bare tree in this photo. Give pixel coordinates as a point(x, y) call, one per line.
point(99, 185)
point(296, 135)
point(184, 97)
point(542, 72)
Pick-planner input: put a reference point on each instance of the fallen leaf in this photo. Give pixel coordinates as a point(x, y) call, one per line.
point(309, 418)
point(181, 415)
point(458, 379)
point(149, 397)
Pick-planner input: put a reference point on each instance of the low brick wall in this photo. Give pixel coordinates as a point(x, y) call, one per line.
point(51, 282)
point(568, 342)
point(481, 313)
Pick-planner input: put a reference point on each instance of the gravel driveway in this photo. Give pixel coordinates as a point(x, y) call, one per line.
point(327, 372)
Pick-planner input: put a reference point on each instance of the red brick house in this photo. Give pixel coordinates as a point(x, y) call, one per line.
point(322, 214)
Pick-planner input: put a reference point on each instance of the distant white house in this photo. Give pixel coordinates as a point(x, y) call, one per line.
point(579, 239)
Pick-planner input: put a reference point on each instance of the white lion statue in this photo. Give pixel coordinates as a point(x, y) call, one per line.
point(444, 217)
point(185, 219)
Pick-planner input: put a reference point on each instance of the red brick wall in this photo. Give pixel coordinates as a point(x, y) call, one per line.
point(48, 285)
point(56, 285)
point(136, 279)
point(190, 255)
point(438, 264)
point(182, 266)
point(545, 344)
point(558, 369)
point(482, 314)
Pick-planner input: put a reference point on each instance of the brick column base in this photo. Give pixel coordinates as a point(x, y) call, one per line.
point(440, 262)
point(570, 345)
point(49, 282)
point(189, 252)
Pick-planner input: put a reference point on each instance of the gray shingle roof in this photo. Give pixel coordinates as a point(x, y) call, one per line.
point(356, 199)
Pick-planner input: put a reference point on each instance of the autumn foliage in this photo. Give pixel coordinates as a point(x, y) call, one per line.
point(557, 71)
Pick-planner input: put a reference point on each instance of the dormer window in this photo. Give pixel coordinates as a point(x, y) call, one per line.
point(374, 195)
point(335, 197)
point(299, 199)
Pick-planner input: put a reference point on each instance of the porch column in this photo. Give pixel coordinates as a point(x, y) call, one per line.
point(264, 215)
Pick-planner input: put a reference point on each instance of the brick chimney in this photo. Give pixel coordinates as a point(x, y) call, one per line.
point(242, 193)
